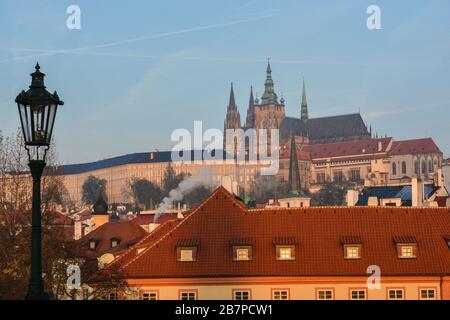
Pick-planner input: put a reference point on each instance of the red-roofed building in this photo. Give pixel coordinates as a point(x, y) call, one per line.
point(377, 162)
point(110, 240)
point(223, 250)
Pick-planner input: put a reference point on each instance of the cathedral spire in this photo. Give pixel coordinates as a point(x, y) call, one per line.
point(294, 173)
point(250, 121)
point(232, 102)
point(304, 107)
point(269, 96)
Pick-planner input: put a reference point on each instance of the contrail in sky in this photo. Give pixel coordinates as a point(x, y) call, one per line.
point(132, 40)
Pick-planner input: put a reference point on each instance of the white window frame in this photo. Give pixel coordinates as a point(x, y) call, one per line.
point(184, 253)
point(324, 291)
point(406, 251)
point(396, 291)
point(241, 293)
point(427, 290)
point(242, 254)
point(148, 295)
point(350, 251)
point(188, 294)
point(280, 294)
point(358, 291)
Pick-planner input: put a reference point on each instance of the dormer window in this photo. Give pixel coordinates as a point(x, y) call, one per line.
point(115, 242)
point(285, 248)
point(285, 252)
point(352, 251)
point(186, 254)
point(406, 251)
point(352, 247)
point(242, 253)
point(187, 250)
point(92, 244)
point(406, 247)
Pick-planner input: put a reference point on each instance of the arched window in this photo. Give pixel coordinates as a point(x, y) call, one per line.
point(424, 166)
point(403, 167)
point(394, 168)
point(430, 165)
point(416, 166)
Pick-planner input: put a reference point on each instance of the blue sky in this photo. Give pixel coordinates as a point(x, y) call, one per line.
point(139, 69)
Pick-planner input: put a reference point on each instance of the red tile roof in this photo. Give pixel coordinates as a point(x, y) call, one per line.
point(361, 148)
point(128, 232)
point(317, 232)
point(415, 146)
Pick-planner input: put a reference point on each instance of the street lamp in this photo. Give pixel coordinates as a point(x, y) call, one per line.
point(37, 110)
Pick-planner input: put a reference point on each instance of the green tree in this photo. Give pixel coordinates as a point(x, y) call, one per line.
point(171, 180)
point(146, 193)
point(331, 193)
point(92, 188)
point(267, 187)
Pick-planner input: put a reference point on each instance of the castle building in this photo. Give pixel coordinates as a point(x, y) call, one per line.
point(270, 113)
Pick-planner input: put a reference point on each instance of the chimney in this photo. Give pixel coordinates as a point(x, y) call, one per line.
point(179, 214)
point(439, 179)
point(372, 201)
point(380, 146)
point(352, 197)
point(78, 230)
point(417, 192)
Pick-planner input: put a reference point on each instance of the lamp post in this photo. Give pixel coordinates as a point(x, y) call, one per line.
point(37, 110)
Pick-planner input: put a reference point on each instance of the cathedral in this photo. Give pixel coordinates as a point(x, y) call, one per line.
point(269, 113)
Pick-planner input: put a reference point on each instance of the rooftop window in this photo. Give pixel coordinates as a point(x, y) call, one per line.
point(285, 252)
point(242, 253)
point(186, 254)
point(406, 247)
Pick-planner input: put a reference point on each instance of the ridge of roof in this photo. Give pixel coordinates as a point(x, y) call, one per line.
point(182, 222)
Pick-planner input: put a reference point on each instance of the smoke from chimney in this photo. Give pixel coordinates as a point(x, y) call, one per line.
point(203, 177)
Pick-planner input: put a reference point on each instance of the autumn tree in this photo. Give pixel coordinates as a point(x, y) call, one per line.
point(92, 188)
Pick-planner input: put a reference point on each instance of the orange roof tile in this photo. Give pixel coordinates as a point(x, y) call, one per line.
point(415, 146)
point(317, 233)
point(128, 232)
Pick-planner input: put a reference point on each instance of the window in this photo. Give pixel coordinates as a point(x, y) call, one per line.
point(242, 253)
point(324, 294)
point(150, 295)
point(427, 294)
point(320, 177)
point(358, 294)
point(187, 254)
point(188, 295)
point(407, 251)
point(285, 252)
point(114, 242)
point(241, 294)
point(394, 168)
point(92, 244)
point(395, 294)
point(112, 296)
point(86, 294)
point(355, 174)
point(424, 167)
point(280, 294)
point(403, 167)
point(416, 167)
point(430, 166)
point(352, 251)
point(338, 176)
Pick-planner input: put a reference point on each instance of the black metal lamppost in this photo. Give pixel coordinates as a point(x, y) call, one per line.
point(37, 110)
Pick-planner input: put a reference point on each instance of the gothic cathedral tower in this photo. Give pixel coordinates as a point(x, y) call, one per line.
point(233, 118)
point(269, 114)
